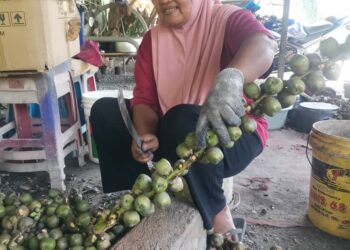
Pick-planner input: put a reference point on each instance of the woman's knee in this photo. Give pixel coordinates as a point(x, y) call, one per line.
point(178, 122)
point(183, 111)
point(105, 111)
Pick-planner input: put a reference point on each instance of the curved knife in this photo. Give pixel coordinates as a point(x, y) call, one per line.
point(129, 125)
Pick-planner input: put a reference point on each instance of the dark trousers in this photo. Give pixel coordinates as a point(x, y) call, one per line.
point(119, 170)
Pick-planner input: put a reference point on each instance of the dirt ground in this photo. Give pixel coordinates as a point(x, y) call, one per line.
point(274, 194)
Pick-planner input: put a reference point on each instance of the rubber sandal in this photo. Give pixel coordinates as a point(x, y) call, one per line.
point(239, 231)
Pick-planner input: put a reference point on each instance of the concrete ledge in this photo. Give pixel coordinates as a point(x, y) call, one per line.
point(177, 227)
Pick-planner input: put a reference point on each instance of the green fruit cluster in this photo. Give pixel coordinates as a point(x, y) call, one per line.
point(55, 221)
point(313, 69)
point(269, 97)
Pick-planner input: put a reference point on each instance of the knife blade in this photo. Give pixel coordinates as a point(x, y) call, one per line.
point(130, 126)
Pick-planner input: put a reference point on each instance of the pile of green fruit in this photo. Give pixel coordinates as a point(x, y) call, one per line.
point(65, 221)
point(313, 69)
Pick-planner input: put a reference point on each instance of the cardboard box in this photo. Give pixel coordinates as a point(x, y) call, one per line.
point(36, 35)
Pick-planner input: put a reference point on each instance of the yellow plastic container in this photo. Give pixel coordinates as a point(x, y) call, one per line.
point(329, 199)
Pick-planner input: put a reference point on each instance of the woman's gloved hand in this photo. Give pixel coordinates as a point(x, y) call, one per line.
point(224, 106)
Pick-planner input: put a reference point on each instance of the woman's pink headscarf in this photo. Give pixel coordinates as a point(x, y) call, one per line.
point(186, 60)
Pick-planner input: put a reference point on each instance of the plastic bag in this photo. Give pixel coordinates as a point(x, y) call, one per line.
point(89, 53)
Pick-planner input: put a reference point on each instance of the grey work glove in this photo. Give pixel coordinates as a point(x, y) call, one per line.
point(224, 106)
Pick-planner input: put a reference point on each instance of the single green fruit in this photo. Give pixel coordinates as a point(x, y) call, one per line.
point(63, 211)
point(214, 155)
point(46, 202)
point(84, 220)
point(2, 211)
point(162, 200)
point(82, 206)
point(315, 82)
point(76, 240)
point(34, 205)
point(163, 167)
point(234, 132)
point(43, 234)
point(191, 140)
point(47, 244)
point(204, 160)
point(314, 60)
point(159, 184)
point(248, 124)
point(10, 199)
point(131, 218)
point(10, 210)
point(33, 243)
point(176, 185)
point(142, 184)
point(211, 138)
point(149, 211)
point(91, 248)
point(25, 198)
point(5, 239)
point(9, 222)
point(273, 85)
point(19, 247)
point(103, 244)
point(53, 192)
point(56, 233)
point(331, 71)
point(105, 236)
point(77, 248)
point(295, 86)
point(51, 209)
point(183, 151)
point(271, 106)
point(62, 243)
point(90, 240)
point(142, 203)
point(127, 201)
point(230, 144)
point(217, 240)
point(22, 211)
point(112, 236)
point(25, 223)
point(286, 100)
point(59, 199)
point(329, 47)
point(299, 64)
point(251, 90)
point(118, 229)
point(52, 221)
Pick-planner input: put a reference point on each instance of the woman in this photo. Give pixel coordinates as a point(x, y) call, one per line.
point(189, 75)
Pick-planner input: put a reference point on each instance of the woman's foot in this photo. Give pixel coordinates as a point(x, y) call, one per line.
point(223, 221)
